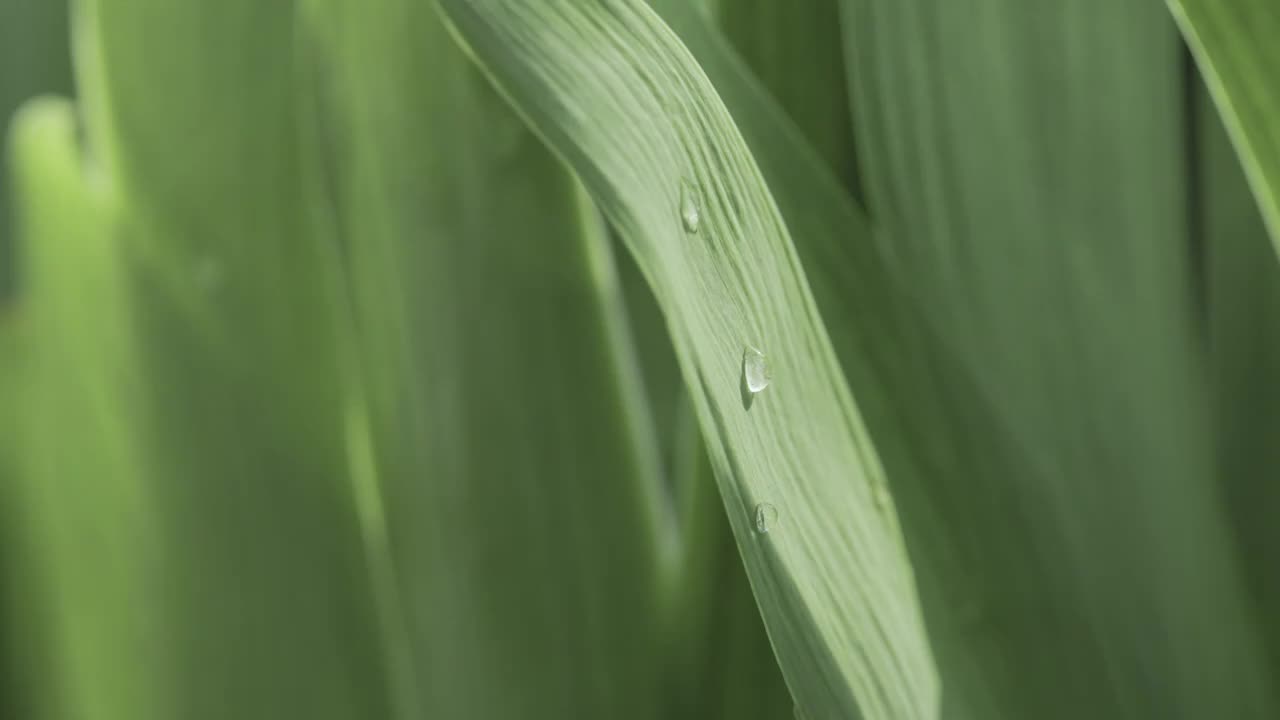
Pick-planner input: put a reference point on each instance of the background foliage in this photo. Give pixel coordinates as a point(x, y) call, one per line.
point(359, 359)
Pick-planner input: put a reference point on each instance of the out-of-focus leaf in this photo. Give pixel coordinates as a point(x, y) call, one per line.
point(796, 51)
point(1027, 166)
point(260, 580)
point(619, 97)
point(519, 477)
point(1243, 294)
point(83, 574)
point(33, 59)
point(1237, 46)
point(667, 398)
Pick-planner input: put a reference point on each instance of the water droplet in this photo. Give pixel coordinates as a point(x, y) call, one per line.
point(766, 517)
point(690, 216)
point(755, 370)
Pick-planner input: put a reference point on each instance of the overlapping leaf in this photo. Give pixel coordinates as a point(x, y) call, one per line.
point(619, 97)
point(257, 580)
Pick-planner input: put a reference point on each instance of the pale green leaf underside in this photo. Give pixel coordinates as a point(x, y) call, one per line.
point(1237, 46)
point(619, 97)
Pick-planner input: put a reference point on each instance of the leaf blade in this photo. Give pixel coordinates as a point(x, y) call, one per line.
point(719, 297)
point(1032, 172)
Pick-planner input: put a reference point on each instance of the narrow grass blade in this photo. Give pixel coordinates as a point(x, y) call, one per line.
point(1235, 44)
point(619, 97)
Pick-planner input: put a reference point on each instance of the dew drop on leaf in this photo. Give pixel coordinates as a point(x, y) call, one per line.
point(755, 370)
point(766, 517)
point(690, 216)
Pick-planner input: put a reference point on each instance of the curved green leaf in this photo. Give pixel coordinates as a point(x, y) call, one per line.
point(930, 422)
point(618, 96)
point(719, 663)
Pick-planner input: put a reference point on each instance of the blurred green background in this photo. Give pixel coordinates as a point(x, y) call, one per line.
point(327, 390)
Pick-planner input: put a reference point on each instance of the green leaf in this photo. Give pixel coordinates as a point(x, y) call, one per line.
point(1029, 170)
point(716, 643)
point(33, 59)
point(529, 544)
point(796, 52)
point(84, 528)
point(1243, 314)
point(259, 585)
point(719, 663)
point(1235, 45)
point(929, 422)
point(619, 97)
